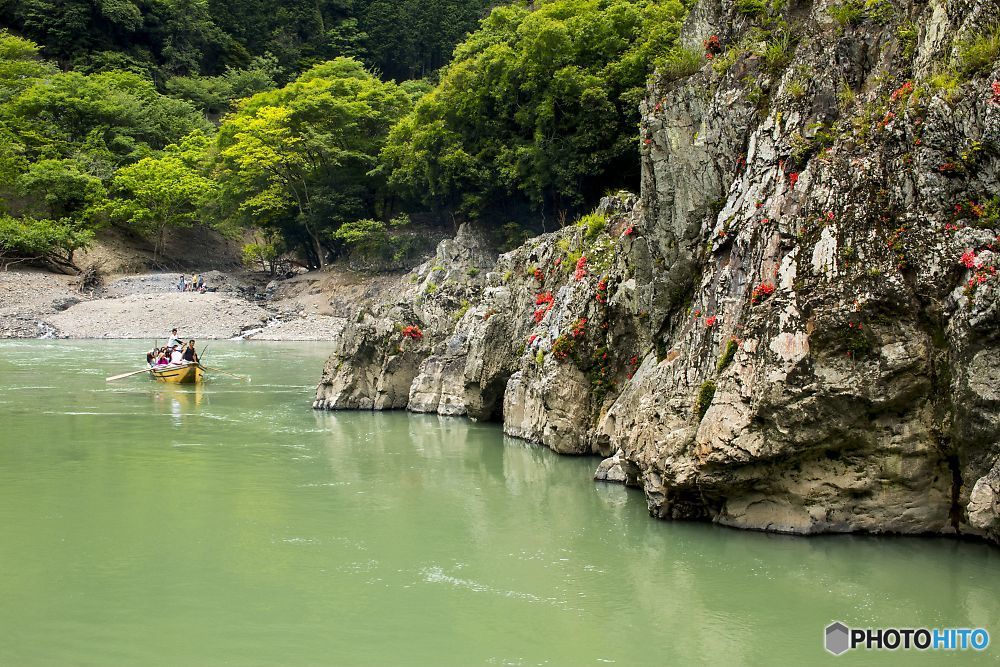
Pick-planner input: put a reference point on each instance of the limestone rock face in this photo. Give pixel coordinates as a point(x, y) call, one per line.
point(374, 361)
point(984, 504)
point(796, 326)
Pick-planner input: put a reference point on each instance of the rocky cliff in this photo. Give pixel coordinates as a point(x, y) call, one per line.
point(795, 327)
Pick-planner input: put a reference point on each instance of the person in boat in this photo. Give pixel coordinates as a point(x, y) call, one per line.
point(190, 355)
point(151, 356)
point(162, 359)
point(176, 356)
point(175, 340)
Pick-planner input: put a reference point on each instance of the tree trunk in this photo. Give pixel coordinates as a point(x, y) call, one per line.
point(317, 248)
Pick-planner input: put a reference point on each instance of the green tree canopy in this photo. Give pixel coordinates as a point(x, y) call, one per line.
point(168, 190)
point(299, 158)
point(541, 103)
point(113, 116)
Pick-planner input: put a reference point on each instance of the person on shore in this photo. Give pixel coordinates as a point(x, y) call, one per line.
point(201, 283)
point(175, 340)
point(190, 355)
point(181, 284)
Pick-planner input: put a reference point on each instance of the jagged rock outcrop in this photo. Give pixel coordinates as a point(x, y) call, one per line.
point(796, 326)
point(377, 355)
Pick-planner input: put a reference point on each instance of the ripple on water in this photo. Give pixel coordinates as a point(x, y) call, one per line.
point(436, 575)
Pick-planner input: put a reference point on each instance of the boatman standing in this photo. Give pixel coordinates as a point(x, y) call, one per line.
point(175, 340)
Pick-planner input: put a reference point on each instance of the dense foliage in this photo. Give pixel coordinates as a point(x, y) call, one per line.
point(299, 158)
point(283, 117)
point(166, 38)
point(541, 103)
point(64, 137)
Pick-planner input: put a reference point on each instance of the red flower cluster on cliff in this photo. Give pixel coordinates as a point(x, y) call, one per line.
point(980, 273)
point(996, 92)
point(947, 167)
point(601, 295)
point(630, 230)
point(546, 301)
point(710, 321)
point(633, 365)
point(712, 46)
point(905, 89)
point(761, 292)
point(980, 276)
point(889, 115)
point(539, 275)
point(412, 332)
point(793, 178)
point(581, 268)
point(579, 328)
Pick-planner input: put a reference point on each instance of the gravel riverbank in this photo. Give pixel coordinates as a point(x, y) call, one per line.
point(37, 304)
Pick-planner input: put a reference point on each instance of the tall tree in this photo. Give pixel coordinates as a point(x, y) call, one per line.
point(168, 190)
point(298, 158)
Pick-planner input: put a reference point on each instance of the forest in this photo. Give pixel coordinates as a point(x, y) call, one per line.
point(325, 127)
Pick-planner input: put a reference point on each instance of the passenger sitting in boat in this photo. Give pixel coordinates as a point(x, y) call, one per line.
point(176, 356)
point(152, 355)
point(162, 359)
point(189, 355)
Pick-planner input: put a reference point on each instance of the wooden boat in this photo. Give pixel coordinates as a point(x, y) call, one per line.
point(180, 374)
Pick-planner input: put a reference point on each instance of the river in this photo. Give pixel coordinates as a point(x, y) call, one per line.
point(231, 524)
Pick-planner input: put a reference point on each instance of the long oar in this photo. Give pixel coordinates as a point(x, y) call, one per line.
point(219, 370)
point(125, 375)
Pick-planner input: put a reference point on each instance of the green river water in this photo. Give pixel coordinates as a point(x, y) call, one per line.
point(230, 524)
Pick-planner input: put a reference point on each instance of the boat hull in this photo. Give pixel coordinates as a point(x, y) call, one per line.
point(188, 374)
